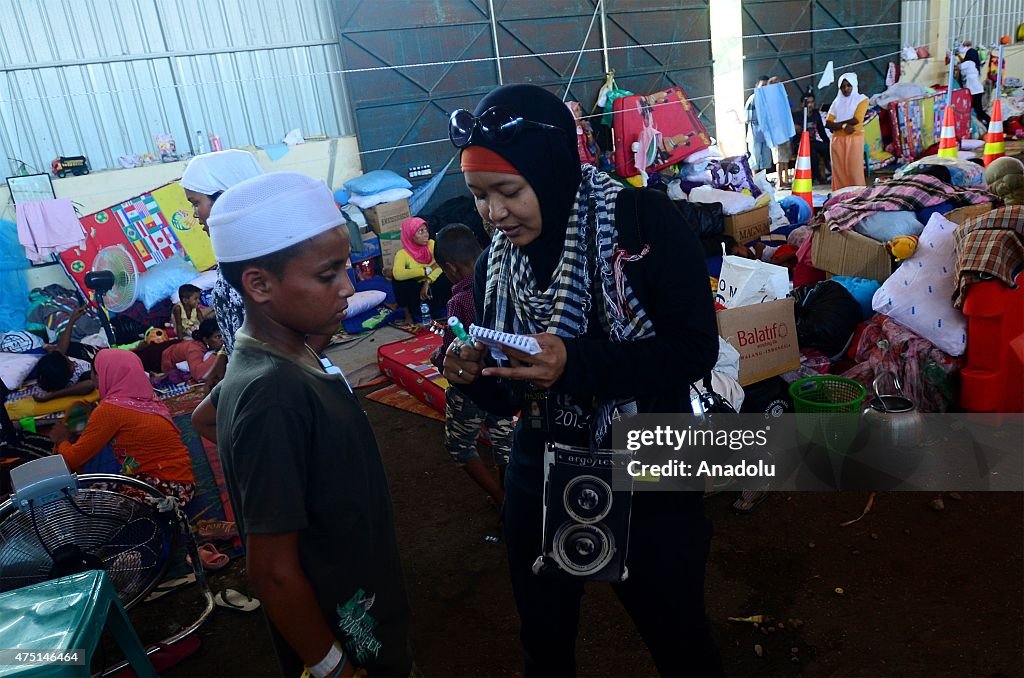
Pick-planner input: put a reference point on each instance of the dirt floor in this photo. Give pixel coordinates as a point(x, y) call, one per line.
point(924, 593)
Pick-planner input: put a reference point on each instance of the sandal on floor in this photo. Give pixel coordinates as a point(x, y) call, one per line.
point(748, 500)
point(234, 600)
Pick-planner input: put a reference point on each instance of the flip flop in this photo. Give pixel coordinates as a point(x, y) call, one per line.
point(216, 529)
point(212, 558)
point(234, 600)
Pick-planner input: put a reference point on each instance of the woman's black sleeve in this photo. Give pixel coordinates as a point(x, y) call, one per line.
point(672, 284)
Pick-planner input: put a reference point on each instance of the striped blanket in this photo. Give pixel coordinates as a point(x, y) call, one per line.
point(908, 194)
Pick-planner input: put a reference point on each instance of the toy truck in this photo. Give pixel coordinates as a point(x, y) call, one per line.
point(74, 164)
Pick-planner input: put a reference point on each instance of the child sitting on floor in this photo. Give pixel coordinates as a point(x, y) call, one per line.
point(417, 277)
point(188, 313)
point(195, 356)
point(301, 462)
point(457, 250)
point(136, 424)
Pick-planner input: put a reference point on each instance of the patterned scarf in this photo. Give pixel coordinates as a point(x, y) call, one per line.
point(588, 274)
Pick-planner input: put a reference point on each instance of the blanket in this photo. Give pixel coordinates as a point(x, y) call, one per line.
point(989, 245)
point(907, 194)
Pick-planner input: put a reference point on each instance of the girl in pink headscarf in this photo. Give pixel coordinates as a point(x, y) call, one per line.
point(418, 278)
point(136, 424)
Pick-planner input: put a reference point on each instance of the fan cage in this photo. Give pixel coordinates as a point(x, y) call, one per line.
point(124, 523)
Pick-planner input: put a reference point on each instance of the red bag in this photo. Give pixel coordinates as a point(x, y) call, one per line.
point(671, 113)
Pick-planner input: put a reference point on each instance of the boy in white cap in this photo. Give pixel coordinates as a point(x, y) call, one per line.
point(301, 461)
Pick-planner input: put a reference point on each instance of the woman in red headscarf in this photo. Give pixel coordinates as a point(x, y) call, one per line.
point(136, 424)
point(417, 277)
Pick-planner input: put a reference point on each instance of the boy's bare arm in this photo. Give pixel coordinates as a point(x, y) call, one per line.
point(64, 340)
point(84, 387)
point(176, 319)
point(204, 420)
point(282, 585)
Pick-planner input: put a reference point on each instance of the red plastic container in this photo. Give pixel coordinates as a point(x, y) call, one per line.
point(993, 378)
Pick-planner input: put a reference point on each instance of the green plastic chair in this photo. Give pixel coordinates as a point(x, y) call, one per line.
point(64, 615)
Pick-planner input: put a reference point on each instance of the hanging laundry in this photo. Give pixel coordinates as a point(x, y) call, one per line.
point(48, 227)
point(773, 114)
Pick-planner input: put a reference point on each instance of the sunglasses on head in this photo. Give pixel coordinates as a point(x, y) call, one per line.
point(498, 125)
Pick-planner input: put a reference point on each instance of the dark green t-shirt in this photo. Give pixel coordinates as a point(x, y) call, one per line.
point(299, 456)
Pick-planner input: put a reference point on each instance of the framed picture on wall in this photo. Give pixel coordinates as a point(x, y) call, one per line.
point(31, 188)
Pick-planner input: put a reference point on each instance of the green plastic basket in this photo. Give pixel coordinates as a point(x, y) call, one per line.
point(827, 394)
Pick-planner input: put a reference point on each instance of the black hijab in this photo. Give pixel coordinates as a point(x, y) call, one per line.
point(549, 162)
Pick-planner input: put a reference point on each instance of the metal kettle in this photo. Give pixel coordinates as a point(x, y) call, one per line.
point(892, 418)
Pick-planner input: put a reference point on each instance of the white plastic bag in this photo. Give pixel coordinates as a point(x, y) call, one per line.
point(748, 281)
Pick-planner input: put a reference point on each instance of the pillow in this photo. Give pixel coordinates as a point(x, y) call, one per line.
point(733, 174)
point(15, 367)
point(918, 295)
point(361, 302)
point(375, 182)
point(19, 342)
point(365, 202)
point(884, 226)
point(163, 280)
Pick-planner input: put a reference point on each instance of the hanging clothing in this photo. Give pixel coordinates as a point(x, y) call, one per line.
point(48, 227)
point(774, 114)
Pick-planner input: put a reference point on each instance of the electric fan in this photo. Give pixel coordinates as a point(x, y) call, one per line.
point(57, 523)
point(115, 281)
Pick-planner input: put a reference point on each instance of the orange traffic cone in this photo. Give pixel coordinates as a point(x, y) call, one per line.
point(802, 180)
point(947, 142)
point(995, 141)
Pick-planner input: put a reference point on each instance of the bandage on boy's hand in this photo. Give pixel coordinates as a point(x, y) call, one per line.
point(463, 362)
point(542, 369)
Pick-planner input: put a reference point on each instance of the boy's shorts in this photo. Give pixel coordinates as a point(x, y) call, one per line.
point(463, 421)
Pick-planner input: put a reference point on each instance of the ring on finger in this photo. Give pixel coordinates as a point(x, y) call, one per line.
point(460, 373)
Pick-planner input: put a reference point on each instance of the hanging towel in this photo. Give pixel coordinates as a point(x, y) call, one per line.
point(48, 227)
point(773, 114)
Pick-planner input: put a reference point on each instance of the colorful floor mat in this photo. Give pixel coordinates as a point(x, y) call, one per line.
point(393, 396)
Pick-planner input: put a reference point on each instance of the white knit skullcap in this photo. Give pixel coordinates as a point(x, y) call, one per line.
point(212, 173)
point(268, 213)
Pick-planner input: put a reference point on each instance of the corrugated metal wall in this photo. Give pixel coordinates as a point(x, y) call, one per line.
point(984, 21)
point(100, 78)
point(915, 29)
point(537, 41)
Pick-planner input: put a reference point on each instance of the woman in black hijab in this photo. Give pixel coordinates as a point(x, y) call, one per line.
point(613, 286)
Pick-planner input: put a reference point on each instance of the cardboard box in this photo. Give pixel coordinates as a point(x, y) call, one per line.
point(765, 336)
point(850, 253)
point(387, 216)
point(390, 243)
point(747, 226)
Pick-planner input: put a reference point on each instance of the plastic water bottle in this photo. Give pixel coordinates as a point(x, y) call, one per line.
point(425, 314)
point(200, 142)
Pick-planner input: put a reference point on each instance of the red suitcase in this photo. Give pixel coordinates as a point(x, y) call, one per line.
point(672, 114)
point(407, 364)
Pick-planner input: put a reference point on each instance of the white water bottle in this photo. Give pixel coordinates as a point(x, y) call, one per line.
point(200, 142)
point(425, 314)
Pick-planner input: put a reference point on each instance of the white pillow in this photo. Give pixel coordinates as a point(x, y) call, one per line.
point(19, 341)
point(365, 202)
point(918, 295)
point(360, 302)
point(14, 368)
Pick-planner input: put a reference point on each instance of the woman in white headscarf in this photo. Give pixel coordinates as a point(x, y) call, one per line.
point(204, 179)
point(846, 120)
